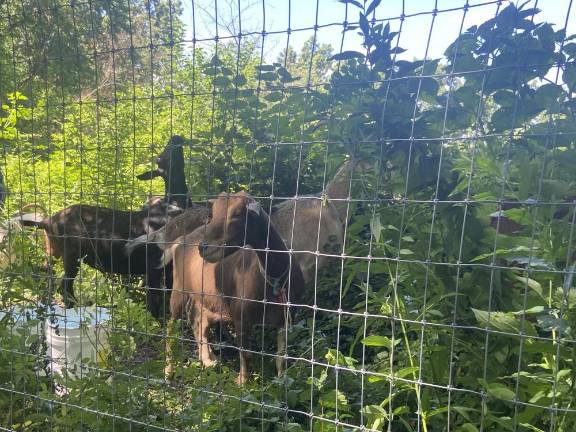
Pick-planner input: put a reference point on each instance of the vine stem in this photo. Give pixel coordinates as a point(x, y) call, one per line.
point(411, 360)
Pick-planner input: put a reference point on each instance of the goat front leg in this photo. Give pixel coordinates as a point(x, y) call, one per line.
point(205, 353)
point(155, 301)
point(169, 367)
point(242, 347)
point(176, 312)
point(281, 350)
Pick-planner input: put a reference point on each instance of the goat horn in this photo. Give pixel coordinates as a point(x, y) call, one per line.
point(254, 206)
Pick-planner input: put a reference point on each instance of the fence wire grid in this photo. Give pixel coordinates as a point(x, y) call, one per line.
point(401, 258)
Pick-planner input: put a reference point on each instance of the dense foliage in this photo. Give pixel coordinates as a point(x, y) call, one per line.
point(455, 307)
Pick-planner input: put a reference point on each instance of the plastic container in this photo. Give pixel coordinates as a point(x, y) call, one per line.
point(74, 336)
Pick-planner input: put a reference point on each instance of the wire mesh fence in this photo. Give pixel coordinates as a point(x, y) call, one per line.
point(401, 258)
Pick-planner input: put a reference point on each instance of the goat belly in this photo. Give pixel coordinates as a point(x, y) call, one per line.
point(99, 235)
point(239, 279)
point(108, 256)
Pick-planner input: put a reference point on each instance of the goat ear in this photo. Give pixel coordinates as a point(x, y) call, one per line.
point(254, 206)
point(148, 175)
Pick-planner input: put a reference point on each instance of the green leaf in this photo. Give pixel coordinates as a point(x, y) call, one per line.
point(503, 321)
point(504, 119)
point(548, 94)
point(504, 98)
point(531, 283)
point(569, 75)
point(503, 252)
point(265, 68)
point(531, 311)
point(364, 26)
point(320, 381)
point(406, 252)
point(336, 358)
point(226, 71)
point(328, 400)
point(570, 49)
point(222, 81)
point(376, 227)
point(376, 414)
point(240, 80)
point(373, 6)
point(376, 378)
point(268, 76)
point(285, 76)
point(354, 2)
point(215, 61)
point(397, 50)
point(549, 322)
point(407, 371)
point(500, 391)
point(274, 96)
point(531, 427)
point(379, 341)
point(347, 55)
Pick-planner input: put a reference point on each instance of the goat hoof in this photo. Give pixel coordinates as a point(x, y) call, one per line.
point(240, 379)
point(208, 363)
point(168, 372)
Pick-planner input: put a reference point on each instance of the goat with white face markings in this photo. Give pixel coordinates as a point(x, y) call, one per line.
point(98, 235)
point(218, 279)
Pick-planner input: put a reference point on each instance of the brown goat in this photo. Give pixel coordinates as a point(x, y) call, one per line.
point(98, 234)
point(218, 280)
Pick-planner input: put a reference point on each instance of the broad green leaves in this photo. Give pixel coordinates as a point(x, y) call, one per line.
point(380, 341)
point(504, 322)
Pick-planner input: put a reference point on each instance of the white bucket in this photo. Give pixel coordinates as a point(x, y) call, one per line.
point(74, 336)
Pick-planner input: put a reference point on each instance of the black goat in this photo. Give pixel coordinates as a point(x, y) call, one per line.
point(98, 235)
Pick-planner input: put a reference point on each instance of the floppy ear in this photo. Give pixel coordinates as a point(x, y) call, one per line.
point(149, 175)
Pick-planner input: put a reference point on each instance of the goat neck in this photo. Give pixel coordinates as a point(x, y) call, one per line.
point(338, 188)
point(238, 220)
point(171, 162)
point(261, 235)
point(176, 189)
point(171, 168)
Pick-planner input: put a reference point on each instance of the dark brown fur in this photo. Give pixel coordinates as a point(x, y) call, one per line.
point(225, 283)
point(98, 234)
